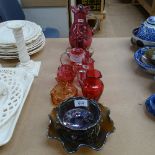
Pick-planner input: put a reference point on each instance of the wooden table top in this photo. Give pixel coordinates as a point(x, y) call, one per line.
point(126, 89)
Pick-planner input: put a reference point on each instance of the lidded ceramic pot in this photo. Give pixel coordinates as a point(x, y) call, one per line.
point(146, 30)
point(144, 35)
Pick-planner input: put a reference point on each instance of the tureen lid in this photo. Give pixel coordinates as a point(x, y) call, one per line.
point(151, 20)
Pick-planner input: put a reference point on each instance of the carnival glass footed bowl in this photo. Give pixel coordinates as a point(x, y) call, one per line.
point(80, 122)
point(78, 114)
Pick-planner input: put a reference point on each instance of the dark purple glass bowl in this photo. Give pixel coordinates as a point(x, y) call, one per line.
point(79, 113)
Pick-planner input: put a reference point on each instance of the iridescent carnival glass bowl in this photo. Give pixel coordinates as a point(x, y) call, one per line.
point(80, 122)
point(78, 114)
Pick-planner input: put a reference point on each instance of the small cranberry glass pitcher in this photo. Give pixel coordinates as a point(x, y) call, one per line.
point(73, 57)
point(80, 35)
point(92, 87)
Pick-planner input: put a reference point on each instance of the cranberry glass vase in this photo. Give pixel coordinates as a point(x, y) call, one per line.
point(80, 35)
point(65, 73)
point(92, 87)
point(64, 89)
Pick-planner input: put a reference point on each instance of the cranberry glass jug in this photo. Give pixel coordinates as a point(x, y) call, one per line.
point(92, 87)
point(80, 35)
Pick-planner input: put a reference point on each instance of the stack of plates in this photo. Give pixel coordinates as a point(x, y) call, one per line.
point(33, 35)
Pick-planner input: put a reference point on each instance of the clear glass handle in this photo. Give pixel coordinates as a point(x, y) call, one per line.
point(89, 16)
point(64, 58)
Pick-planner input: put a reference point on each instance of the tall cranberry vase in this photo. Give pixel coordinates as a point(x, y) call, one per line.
point(80, 35)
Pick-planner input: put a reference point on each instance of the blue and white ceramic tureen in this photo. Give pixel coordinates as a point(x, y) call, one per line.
point(145, 34)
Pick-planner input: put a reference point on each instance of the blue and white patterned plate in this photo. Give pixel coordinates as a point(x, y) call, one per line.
point(150, 104)
point(142, 61)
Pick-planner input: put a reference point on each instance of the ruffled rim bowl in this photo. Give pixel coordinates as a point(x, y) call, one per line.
point(73, 140)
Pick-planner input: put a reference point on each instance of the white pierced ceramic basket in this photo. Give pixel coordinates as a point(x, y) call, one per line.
point(10, 97)
point(15, 85)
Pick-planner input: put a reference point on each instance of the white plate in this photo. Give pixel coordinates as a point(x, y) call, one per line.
point(6, 131)
point(37, 49)
point(30, 31)
point(30, 52)
point(39, 37)
point(14, 51)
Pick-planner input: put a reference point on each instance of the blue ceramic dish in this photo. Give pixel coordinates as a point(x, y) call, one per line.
point(150, 104)
point(139, 55)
